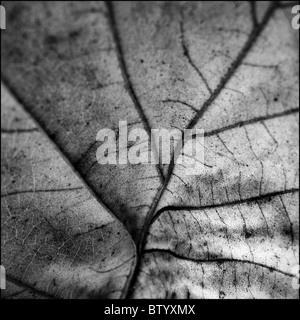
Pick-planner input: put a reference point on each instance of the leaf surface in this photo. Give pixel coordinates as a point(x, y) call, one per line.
point(57, 240)
point(230, 68)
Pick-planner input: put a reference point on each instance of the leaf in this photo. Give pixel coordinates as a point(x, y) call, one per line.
point(226, 67)
point(240, 230)
point(58, 240)
point(79, 89)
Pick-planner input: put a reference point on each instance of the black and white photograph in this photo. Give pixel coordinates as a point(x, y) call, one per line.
point(150, 151)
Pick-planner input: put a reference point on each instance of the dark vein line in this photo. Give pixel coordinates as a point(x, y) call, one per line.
point(181, 102)
point(187, 55)
point(93, 230)
point(179, 178)
point(264, 217)
point(270, 134)
point(234, 90)
point(263, 66)
point(289, 219)
point(126, 75)
point(28, 287)
point(248, 122)
point(39, 191)
point(115, 268)
point(222, 205)
point(218, 260)
point(253, 13)
point(257, 158)
point(17, 131)
point(225, 146)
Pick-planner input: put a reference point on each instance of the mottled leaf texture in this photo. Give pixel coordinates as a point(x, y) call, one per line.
point(56, 238)
point(71, 68)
